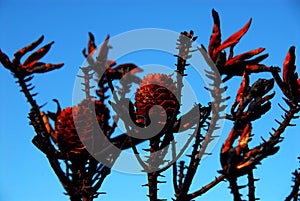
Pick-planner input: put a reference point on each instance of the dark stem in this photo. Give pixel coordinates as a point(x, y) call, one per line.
point(32, 102)
point(251, 186)
point(42, 138)
point(235, 189)
point(104, 173)
point(60, 174)
point(152, 184)
point(294, 195)
point(192, 168)
point(174, 168)
point(206, 188)
point(153, 165)
point(75, 198)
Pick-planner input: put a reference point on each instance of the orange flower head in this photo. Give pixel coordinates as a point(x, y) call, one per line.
point(83, 117)
point(156, 89)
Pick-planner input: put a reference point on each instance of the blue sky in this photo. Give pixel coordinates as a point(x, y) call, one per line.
point(24, 171)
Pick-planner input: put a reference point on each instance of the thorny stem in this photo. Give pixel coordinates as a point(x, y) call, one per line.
point(251, 186)
point(86, 77)
point(197, 155)
point(181, 64)
point(92, 169)
point(184, 147)
point(51, 158)
point(26, 92)
point(104, 173)
point(235, 189)
point(60, 174)
point(182, 56)
point(294, 195)
point(192, 168)
point(184, 46)
point(288, 117)
point(206, 188)
point(31, 101)
point(181, 176)
point(153, 176)
point(216, 93)
point(214, 119)
point(140, 160)
point(174, 168)
point(184, 183)
point(152, 184)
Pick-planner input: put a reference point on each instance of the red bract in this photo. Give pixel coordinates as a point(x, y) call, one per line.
point(290, 76)
point(243, 88)
point(215, 46)
point(233, 39)
point(244, 56)
point(231, 157)
point(215, 39)
point(289, 67)
point(101, 59)
point(289, 83)
point(91, 44)
point(234, 66)
point(243, 141)
point(31, 64)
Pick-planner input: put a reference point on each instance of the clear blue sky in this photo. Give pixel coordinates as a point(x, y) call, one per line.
point(24, 171)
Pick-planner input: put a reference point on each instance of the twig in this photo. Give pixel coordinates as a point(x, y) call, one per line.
point(251, 186)
point(235, 189)
point(206, 188)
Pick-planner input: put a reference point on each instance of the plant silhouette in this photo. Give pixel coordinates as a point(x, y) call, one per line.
point(82, 175)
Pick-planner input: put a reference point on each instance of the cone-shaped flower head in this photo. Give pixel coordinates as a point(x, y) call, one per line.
point(84, 119)
point(156, 89)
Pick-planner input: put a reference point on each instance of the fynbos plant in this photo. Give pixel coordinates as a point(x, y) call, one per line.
point(82, 144)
